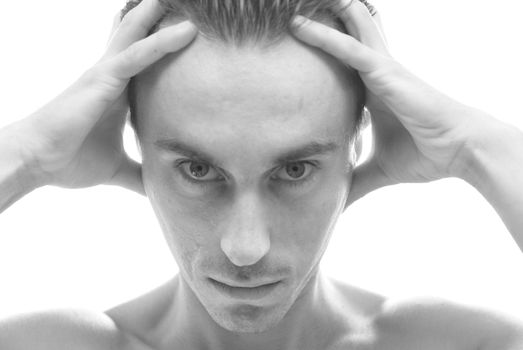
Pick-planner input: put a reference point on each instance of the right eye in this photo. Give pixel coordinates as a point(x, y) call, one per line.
point(197, 172)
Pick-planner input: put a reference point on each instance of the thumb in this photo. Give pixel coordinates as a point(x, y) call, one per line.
point(366, 178)
point(129, 176)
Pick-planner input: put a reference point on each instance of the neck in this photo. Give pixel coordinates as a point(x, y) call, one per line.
point(306, 323)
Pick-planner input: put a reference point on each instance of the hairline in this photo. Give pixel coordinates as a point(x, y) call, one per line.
point(263, 41)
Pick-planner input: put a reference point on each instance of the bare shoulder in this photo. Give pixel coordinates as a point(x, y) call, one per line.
point(359, 301)
point(462, 326)
point(64, 329)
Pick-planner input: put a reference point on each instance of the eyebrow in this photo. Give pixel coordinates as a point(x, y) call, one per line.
point(313, 148)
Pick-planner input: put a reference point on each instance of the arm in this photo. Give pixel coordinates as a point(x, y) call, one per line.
point(63, 329)
point(494, 167)
point(459, 326)
point(75, 140)
point(15, 179)
point(422, 135)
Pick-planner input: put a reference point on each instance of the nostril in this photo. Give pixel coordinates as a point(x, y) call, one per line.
point(245, 259)
point(247, 250)
point(246, 237)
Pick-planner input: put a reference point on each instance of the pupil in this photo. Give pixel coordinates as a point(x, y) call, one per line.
point(199, 169)
point(296, 170)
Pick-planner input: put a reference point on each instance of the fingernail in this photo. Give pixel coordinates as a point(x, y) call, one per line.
point(299, 21)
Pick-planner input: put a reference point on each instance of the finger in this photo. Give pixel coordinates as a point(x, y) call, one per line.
point(116, 23)
point(366, 178)
point(145, 52)
point(340, 45)
point(135, 25)
point(361, 24)
point(107, 80)
point(379, 22)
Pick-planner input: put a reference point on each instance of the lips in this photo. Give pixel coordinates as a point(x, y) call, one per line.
point(247, 285)
point(259, 291)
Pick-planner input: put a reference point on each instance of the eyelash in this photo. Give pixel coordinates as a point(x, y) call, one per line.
point(304, 181)
point(289, 183)
point(178, 164)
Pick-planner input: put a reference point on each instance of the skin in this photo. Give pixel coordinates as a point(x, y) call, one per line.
point(249, 225)
point(249, 222)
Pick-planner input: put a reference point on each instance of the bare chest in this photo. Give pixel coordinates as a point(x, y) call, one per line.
point(394, 340)
point(365, 339)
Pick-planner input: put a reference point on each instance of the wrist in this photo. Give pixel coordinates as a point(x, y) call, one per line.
point(493, 147)
point(22, 163)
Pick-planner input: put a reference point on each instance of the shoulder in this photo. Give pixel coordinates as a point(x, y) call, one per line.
point(351, 298)
point(463, 325)
point(63, 329)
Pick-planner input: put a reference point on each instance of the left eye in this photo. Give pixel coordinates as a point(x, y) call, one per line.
point(295, 171)
point(199, 171)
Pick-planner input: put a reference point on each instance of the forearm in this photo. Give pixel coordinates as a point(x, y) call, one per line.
point(495, 169)
point(15, 179)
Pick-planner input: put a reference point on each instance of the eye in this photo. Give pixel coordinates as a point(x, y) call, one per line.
point(296, 172)
point(198, 172)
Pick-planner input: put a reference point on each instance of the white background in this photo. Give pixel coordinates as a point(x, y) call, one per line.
point(98, 247)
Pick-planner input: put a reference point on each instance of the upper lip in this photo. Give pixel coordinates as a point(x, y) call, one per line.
point(246, 285)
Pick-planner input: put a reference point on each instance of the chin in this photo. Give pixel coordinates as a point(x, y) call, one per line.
point(245, 318)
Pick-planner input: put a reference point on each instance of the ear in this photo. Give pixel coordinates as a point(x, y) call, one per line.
point(356, 151)
point(357, 143)
point(137, 140)
point(358, 146)
point(129, 124)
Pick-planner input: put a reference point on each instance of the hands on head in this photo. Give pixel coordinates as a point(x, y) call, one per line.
point(420, 134)
point(76, 139)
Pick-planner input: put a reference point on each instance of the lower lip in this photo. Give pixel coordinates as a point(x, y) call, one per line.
point(243, 293)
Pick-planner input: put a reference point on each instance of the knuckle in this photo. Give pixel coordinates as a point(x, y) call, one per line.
point(324, 45)
point(159, 42)
point(349, 52)
point(158, 38)
point(362, 8)
point(98, 77)
point(328, 36)
point(343, 9)
point(132, 54)
point(117, 18)
point(326, 32)
point(128, 20)
point(133, 21)
point(392, 66)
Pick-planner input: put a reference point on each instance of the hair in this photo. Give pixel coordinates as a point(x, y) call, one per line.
point(238, 22)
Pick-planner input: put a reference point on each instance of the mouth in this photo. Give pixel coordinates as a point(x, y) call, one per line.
point(245, 293)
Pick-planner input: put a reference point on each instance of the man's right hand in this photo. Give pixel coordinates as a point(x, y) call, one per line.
point(76, 139)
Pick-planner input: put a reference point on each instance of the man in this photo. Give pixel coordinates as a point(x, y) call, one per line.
point(249, 136)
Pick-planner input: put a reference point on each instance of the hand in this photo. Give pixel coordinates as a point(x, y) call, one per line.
point(76, 139)
point(419, 133)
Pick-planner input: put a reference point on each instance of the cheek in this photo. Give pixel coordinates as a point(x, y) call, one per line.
point(190, 226)
point(300, 226)
point(187, 224)
point(305, 226)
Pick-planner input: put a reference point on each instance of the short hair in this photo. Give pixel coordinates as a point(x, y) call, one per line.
point(238, 22)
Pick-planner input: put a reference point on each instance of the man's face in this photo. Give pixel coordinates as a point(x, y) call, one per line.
point(246, 164)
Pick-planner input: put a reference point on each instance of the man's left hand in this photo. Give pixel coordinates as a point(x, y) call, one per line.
point(420, 134)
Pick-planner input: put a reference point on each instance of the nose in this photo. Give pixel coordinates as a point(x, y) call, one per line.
point(246, 238)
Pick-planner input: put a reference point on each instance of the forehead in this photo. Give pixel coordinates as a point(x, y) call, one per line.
point(259, 90)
